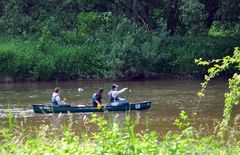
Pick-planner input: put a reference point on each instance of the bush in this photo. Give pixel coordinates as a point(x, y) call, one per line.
point(71, 64)
point(127, 49)
point(224, 30)
point(6, 68)
point(118, 48)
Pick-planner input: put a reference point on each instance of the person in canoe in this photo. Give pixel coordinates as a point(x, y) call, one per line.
point(114, 93)
point(97, 98)
point(56, 99)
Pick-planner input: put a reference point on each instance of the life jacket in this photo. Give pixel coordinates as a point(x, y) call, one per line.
point(98, 97)
point(111, 98)
point(54, 101)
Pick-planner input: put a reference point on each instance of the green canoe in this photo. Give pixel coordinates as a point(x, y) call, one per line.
point(123, 106)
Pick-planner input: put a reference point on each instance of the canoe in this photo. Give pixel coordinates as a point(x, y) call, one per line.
point(40, 108)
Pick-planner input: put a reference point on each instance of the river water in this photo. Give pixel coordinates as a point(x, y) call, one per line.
point(169, 98)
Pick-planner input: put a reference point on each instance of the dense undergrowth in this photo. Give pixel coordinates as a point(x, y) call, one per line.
point(48, 40)
point(72, 40)
point(112, 138)
point(113, 55)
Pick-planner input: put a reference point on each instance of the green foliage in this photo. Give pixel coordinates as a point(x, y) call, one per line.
point(224, 30)
point(228, 11)
point(8, 59)
point(45, 39)
point(118, 54)
point(127, 50)
point(12, 20)
point(139, 53)
point(23, 17)
point(103, 44)
point(176, 54)
point(86, 24)
point(16, 57)
point(11, 119)
point(44, 67)
point(193, 16)
point(110, 138)
point(184, 16)
point(76, 63)
point(23, 60)
point(182, 122)
point(231, 98)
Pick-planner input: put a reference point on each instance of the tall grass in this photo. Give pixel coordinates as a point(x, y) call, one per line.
point(111, 138)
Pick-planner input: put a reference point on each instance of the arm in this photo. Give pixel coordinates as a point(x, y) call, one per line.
point(117, 93)
point(122, 90)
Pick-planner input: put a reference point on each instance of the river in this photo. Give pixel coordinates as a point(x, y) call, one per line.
point(169, 98)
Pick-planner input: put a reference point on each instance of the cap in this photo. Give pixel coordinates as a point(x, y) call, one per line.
point(114, 86)
point(100, 90)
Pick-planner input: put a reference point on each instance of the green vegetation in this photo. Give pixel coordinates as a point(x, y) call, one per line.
point(116, 56)
point(111, 138)
point(231, 98)
point(70, 40)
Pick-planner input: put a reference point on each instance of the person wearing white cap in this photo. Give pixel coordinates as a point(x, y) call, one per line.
point(114, 93)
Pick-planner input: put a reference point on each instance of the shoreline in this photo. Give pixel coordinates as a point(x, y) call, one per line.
point(157, 78)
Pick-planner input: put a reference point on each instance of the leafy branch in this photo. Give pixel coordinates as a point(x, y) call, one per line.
point(233, 96)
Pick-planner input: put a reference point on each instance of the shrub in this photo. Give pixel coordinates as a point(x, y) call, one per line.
point(224, 30)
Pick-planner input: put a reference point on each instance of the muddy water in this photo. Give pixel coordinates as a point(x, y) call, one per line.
point(169, 98)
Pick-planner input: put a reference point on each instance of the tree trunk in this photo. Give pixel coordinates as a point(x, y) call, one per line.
point(173, 16)
point(135, 9)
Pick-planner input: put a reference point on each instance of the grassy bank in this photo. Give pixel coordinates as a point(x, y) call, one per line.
point(111, 138)
point(125, 57)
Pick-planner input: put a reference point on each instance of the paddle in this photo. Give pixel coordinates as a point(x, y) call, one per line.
point(129, 90)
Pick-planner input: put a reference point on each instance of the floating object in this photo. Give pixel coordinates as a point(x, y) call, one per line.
point(80, 90)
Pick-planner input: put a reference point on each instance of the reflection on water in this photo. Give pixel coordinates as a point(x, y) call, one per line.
point(168, 98)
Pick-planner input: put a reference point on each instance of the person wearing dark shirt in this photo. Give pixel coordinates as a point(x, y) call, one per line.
point(97, 98)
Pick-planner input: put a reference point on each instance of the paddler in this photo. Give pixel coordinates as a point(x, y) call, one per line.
point(56, 99)
point(97, 98)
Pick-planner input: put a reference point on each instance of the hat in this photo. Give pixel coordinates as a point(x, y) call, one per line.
point(100, 90)
point(114, 86)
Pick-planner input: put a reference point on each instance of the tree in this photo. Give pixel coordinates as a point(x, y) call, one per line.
point(192, 16)
point(228, 11)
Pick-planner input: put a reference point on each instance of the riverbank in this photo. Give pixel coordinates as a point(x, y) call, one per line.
point(160, 77)
point(173, 57)
point(113, 138)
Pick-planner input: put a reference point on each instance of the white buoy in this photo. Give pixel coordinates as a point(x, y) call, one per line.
point(80, 90)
